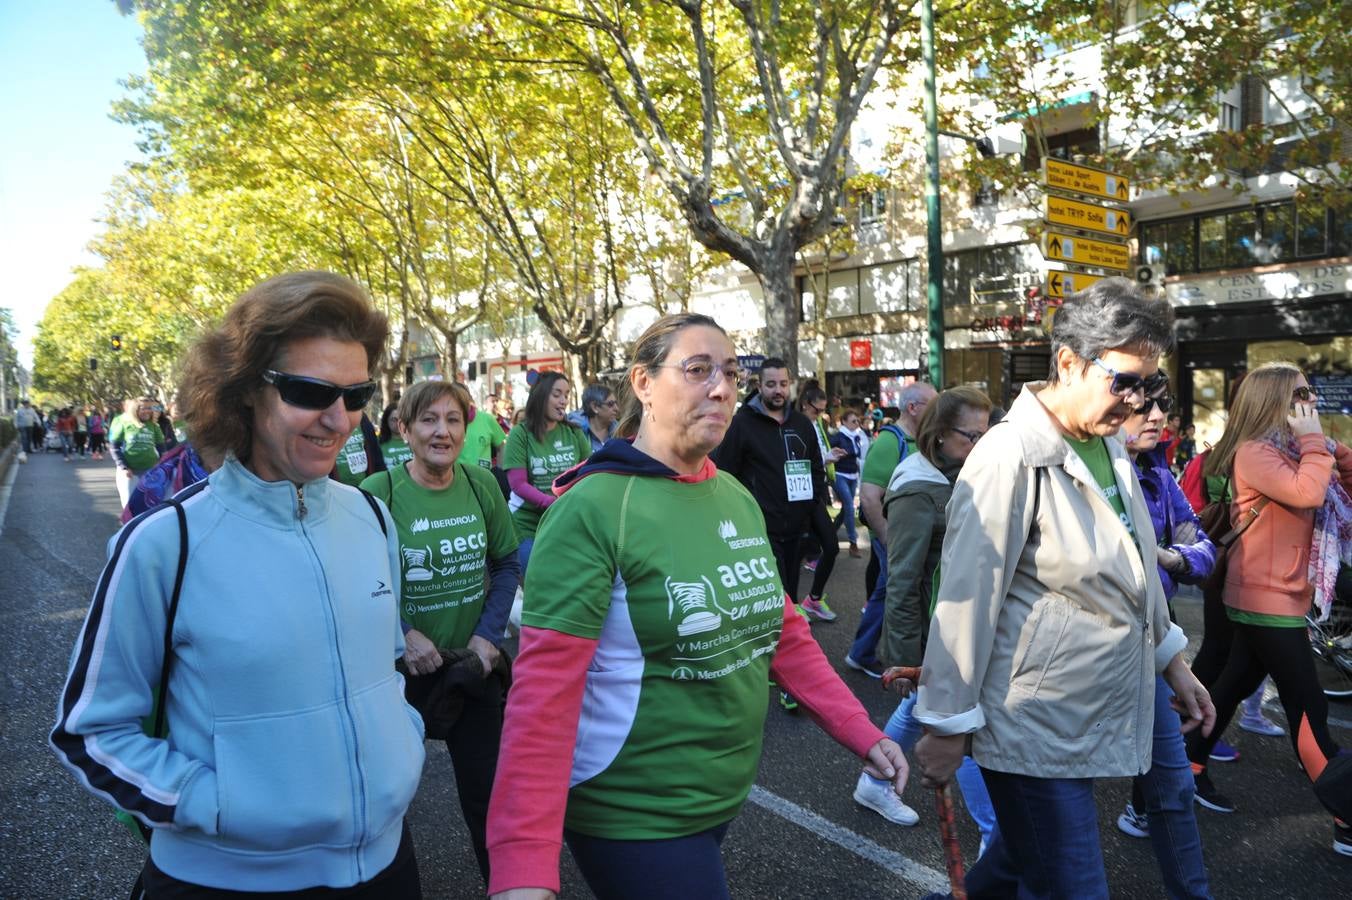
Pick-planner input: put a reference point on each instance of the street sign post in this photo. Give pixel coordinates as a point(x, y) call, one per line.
point(1088, 216)
point(1068, 248)
point(1062, 284)
point(1079, 179)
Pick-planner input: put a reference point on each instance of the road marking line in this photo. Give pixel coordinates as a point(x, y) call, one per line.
point(916, 873)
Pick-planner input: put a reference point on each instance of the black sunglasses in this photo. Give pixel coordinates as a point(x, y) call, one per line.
point(1126, 383)
point(1303, 394)
point(1164, 401)
point(312, 393)
point(972, 436)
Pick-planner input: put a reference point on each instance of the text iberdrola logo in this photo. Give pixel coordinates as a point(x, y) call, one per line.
point(418, 525)
point(727, 530)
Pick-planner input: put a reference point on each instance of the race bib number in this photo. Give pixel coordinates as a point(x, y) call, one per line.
point(798, 479)
point(356, 462)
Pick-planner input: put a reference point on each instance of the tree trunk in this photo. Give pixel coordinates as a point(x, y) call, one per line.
point(782, 313)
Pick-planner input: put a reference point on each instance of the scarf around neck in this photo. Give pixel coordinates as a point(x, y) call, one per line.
point(1331, 544)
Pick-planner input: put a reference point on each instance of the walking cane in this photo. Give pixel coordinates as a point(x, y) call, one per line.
point(943, 804)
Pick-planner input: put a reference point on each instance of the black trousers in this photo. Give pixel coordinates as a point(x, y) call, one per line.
point(1284, 653)
point(825, 533)
point(788, 551)
point(397, 881)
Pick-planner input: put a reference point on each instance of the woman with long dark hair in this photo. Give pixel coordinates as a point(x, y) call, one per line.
point(541, 449)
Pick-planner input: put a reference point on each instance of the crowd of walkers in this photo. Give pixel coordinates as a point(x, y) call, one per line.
point(302, 596)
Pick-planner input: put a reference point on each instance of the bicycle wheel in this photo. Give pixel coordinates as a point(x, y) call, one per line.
point(1331, 643)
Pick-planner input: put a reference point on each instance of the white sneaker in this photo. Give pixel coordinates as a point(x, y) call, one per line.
point(883, 800)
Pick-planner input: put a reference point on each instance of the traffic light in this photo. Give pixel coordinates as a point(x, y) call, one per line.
point(116, 342)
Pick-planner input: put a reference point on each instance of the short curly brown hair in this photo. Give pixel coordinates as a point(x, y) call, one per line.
point(223, 370)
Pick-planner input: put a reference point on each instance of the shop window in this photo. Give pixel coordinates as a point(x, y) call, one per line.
point(1312, 229)
point(1211, 242)
point(1241, 230)
point(1180, 249)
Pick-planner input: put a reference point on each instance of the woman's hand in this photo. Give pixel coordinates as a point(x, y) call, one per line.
point(1171, 560)
point(1191, 700)
point(939, 756)
point(886, 761)
point(1304, 419)
point(488, 654)
point(420, 655)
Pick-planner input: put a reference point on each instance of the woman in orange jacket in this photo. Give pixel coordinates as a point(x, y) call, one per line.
point(1288, 559)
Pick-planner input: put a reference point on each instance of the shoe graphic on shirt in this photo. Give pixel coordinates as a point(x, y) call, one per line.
point(415, 564)
point(691, 604)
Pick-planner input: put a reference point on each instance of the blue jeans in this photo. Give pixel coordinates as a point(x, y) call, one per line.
point(865, 648)
point(67, 443)
point(905, 730)
point(523, 554)
point(845, 489)
point(671, 869)
point(1167, 789)
point(1047, 844)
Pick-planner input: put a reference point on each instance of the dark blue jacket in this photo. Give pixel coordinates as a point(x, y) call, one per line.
point(1176, 525)
point(848, 464)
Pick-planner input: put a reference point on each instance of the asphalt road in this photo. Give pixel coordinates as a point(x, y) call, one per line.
point(801, 836)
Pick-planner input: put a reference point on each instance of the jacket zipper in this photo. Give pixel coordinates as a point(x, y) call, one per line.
point(351, 719)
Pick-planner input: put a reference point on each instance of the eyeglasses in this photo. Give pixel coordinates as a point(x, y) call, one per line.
point(1124, 384)
point(313, 393)
point(1303, 394)
point(703, 370)
point(972, 436)
point(612, 402)
point(816, 410)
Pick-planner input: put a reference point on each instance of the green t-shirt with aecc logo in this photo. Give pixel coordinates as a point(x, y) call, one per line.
point(352, 460)
point(678, 584)
point(563, 447)
point(446, 538)
point(395, 452)
point(483, 437)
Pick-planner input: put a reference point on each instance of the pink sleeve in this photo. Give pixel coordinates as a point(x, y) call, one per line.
point(800, 667)
point(539, 732)
point(1266, 470)
point(521, 486)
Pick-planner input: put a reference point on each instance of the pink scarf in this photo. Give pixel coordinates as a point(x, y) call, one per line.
point(1331, 545)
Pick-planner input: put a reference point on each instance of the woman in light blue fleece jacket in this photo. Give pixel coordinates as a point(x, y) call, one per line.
point(291, 756)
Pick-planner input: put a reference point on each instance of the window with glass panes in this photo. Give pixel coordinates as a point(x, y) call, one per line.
point(1243, 238)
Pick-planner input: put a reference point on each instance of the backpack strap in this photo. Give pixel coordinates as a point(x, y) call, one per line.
point(159, 729)
point(375, 510)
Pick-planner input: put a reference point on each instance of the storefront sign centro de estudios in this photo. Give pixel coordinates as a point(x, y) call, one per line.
point(1271, 283)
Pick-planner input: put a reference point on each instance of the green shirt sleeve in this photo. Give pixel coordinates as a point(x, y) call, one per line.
point(379, 486)
point(883, 455)
point(573, 567)
point(516, 454)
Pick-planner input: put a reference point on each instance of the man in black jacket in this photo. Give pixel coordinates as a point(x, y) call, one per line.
point(772, 450)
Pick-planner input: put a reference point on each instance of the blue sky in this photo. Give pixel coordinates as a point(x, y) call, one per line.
point(60, 64)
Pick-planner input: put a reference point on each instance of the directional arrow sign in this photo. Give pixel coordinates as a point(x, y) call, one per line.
point(1089, 216)
point(1084, 180)
point(1062, 284)
point(1085, 251)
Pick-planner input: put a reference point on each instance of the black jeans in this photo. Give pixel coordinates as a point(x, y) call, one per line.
point(1218, 633)
point(397, 881)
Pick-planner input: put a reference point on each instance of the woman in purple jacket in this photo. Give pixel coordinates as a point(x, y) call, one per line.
point(1161, 806)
